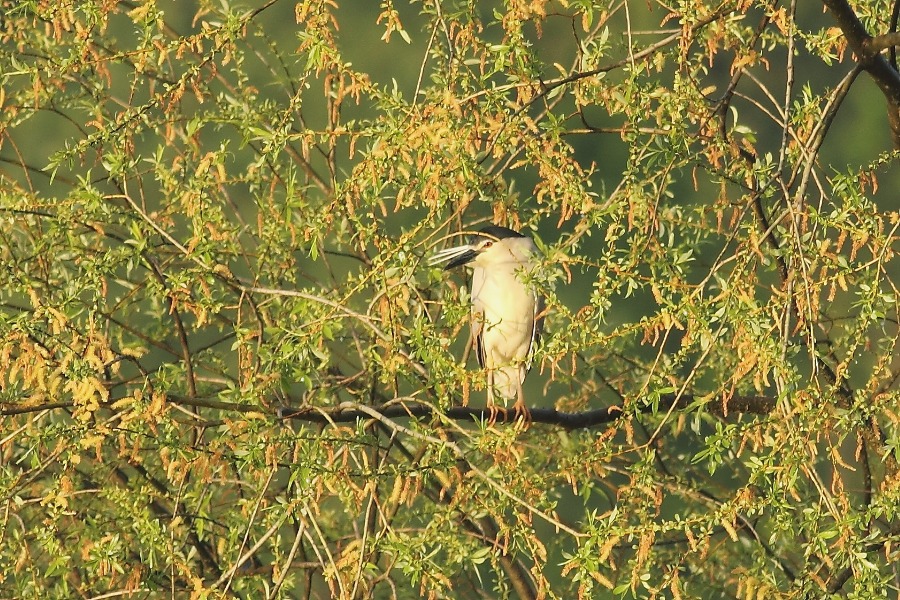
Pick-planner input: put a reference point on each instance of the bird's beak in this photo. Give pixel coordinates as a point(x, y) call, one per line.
point(455, 257)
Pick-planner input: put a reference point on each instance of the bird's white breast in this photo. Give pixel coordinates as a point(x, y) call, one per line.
point(506, 308)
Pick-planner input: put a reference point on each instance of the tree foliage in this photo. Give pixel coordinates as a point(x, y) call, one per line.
point(228, 371)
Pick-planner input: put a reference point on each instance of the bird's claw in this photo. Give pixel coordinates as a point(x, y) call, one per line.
point(493, 412)
point(522, 414)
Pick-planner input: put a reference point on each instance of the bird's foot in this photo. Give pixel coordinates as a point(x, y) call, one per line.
point(493, 411)
point(523, 415)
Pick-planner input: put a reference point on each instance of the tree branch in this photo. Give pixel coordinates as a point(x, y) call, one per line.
point(348, 412)
point(882, 42)
point(895, 16)
point(868, 52)
point(549, 416)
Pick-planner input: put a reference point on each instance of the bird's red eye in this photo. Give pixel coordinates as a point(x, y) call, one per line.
point(487, 244)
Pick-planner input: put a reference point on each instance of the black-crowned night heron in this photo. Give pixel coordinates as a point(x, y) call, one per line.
point(506, 311)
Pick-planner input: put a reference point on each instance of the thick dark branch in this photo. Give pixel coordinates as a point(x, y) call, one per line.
point(868, 52)
point(883, 42)
point(895, 16)
point(347, 413)
point(548, 416)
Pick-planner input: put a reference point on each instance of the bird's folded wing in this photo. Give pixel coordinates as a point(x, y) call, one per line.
point(477, 330)
point(537, 326)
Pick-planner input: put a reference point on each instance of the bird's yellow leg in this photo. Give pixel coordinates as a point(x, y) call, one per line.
point(521, 411)
point(493, 409)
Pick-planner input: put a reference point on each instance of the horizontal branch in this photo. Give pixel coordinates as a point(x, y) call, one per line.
point(549, 416)
point(348, 413)
point(882, 42)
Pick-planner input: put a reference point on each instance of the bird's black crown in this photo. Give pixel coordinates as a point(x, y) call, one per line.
point(496, 232)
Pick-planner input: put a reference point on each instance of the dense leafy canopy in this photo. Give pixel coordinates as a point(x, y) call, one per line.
point(226, 369)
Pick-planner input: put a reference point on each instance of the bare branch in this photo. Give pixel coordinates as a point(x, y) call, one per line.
point(867, 52)
point(348, 413)
point(548, 416)
point(882, 42)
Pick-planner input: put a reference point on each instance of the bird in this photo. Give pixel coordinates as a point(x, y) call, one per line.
point(507, 312)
